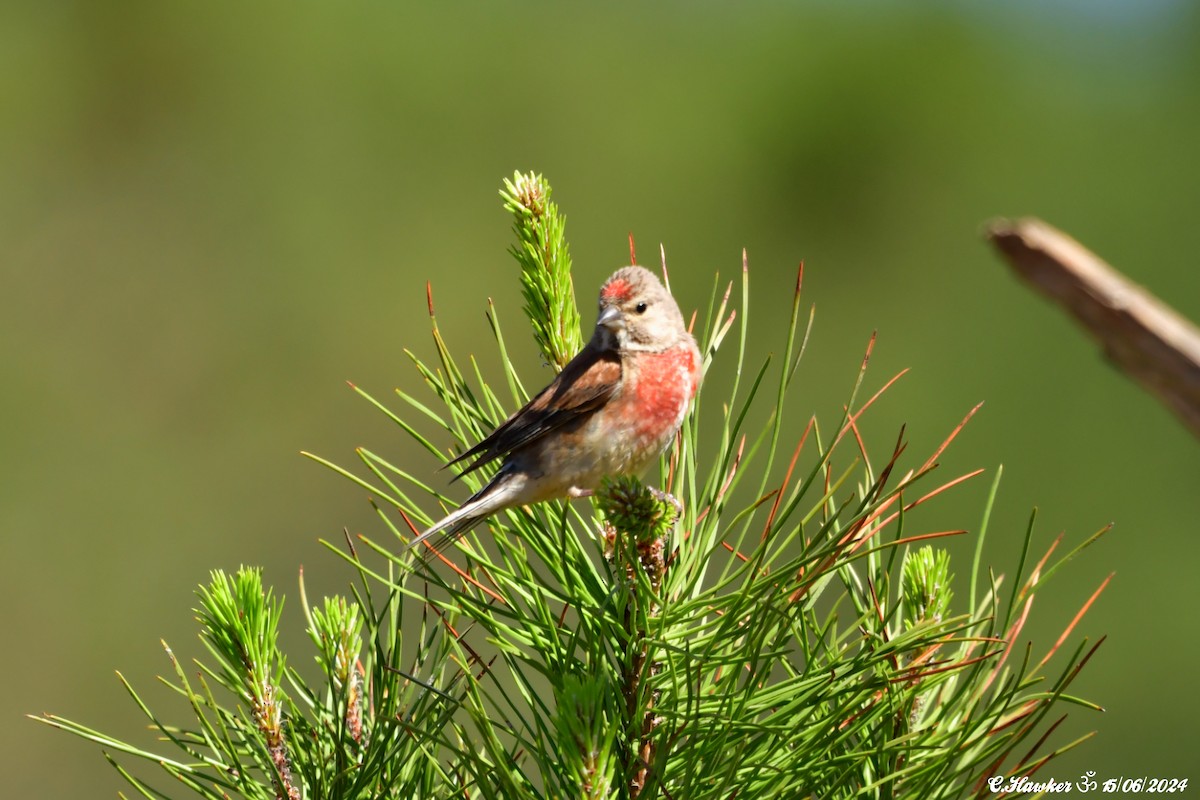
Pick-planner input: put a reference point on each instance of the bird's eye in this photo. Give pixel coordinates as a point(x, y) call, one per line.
point(640, 308)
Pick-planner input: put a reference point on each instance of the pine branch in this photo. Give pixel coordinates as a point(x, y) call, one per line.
point(545, 259)
point(636, 526)
point(241, 625)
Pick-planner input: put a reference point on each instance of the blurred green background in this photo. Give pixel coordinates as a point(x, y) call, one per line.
point(212, 214)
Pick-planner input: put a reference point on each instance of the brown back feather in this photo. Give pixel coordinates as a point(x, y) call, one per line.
point(584, 385)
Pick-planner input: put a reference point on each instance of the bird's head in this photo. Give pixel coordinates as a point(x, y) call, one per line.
point(637, 313)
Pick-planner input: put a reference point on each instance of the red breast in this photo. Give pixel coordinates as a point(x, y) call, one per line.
point(662, 387)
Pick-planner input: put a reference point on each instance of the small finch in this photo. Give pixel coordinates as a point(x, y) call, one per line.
point(612, 410)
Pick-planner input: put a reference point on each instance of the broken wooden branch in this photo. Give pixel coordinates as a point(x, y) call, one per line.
point(1142, 335)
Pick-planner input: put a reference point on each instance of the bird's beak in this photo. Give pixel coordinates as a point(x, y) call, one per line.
point(610, 317)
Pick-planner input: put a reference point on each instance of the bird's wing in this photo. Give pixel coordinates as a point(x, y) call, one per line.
point(584, 385)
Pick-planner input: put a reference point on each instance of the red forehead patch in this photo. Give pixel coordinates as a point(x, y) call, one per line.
point(617, 289)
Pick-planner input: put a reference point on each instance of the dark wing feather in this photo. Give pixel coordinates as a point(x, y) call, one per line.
point(584, 385)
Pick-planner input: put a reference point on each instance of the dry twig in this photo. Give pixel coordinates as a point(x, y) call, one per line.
point(1142, 335)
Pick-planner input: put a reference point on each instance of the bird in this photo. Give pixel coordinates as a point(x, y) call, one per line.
point(611, 411)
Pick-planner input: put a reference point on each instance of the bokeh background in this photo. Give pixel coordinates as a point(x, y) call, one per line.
point(213, 214)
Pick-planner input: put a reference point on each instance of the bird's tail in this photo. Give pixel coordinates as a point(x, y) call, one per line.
point(497, 494)
point(448, 529)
